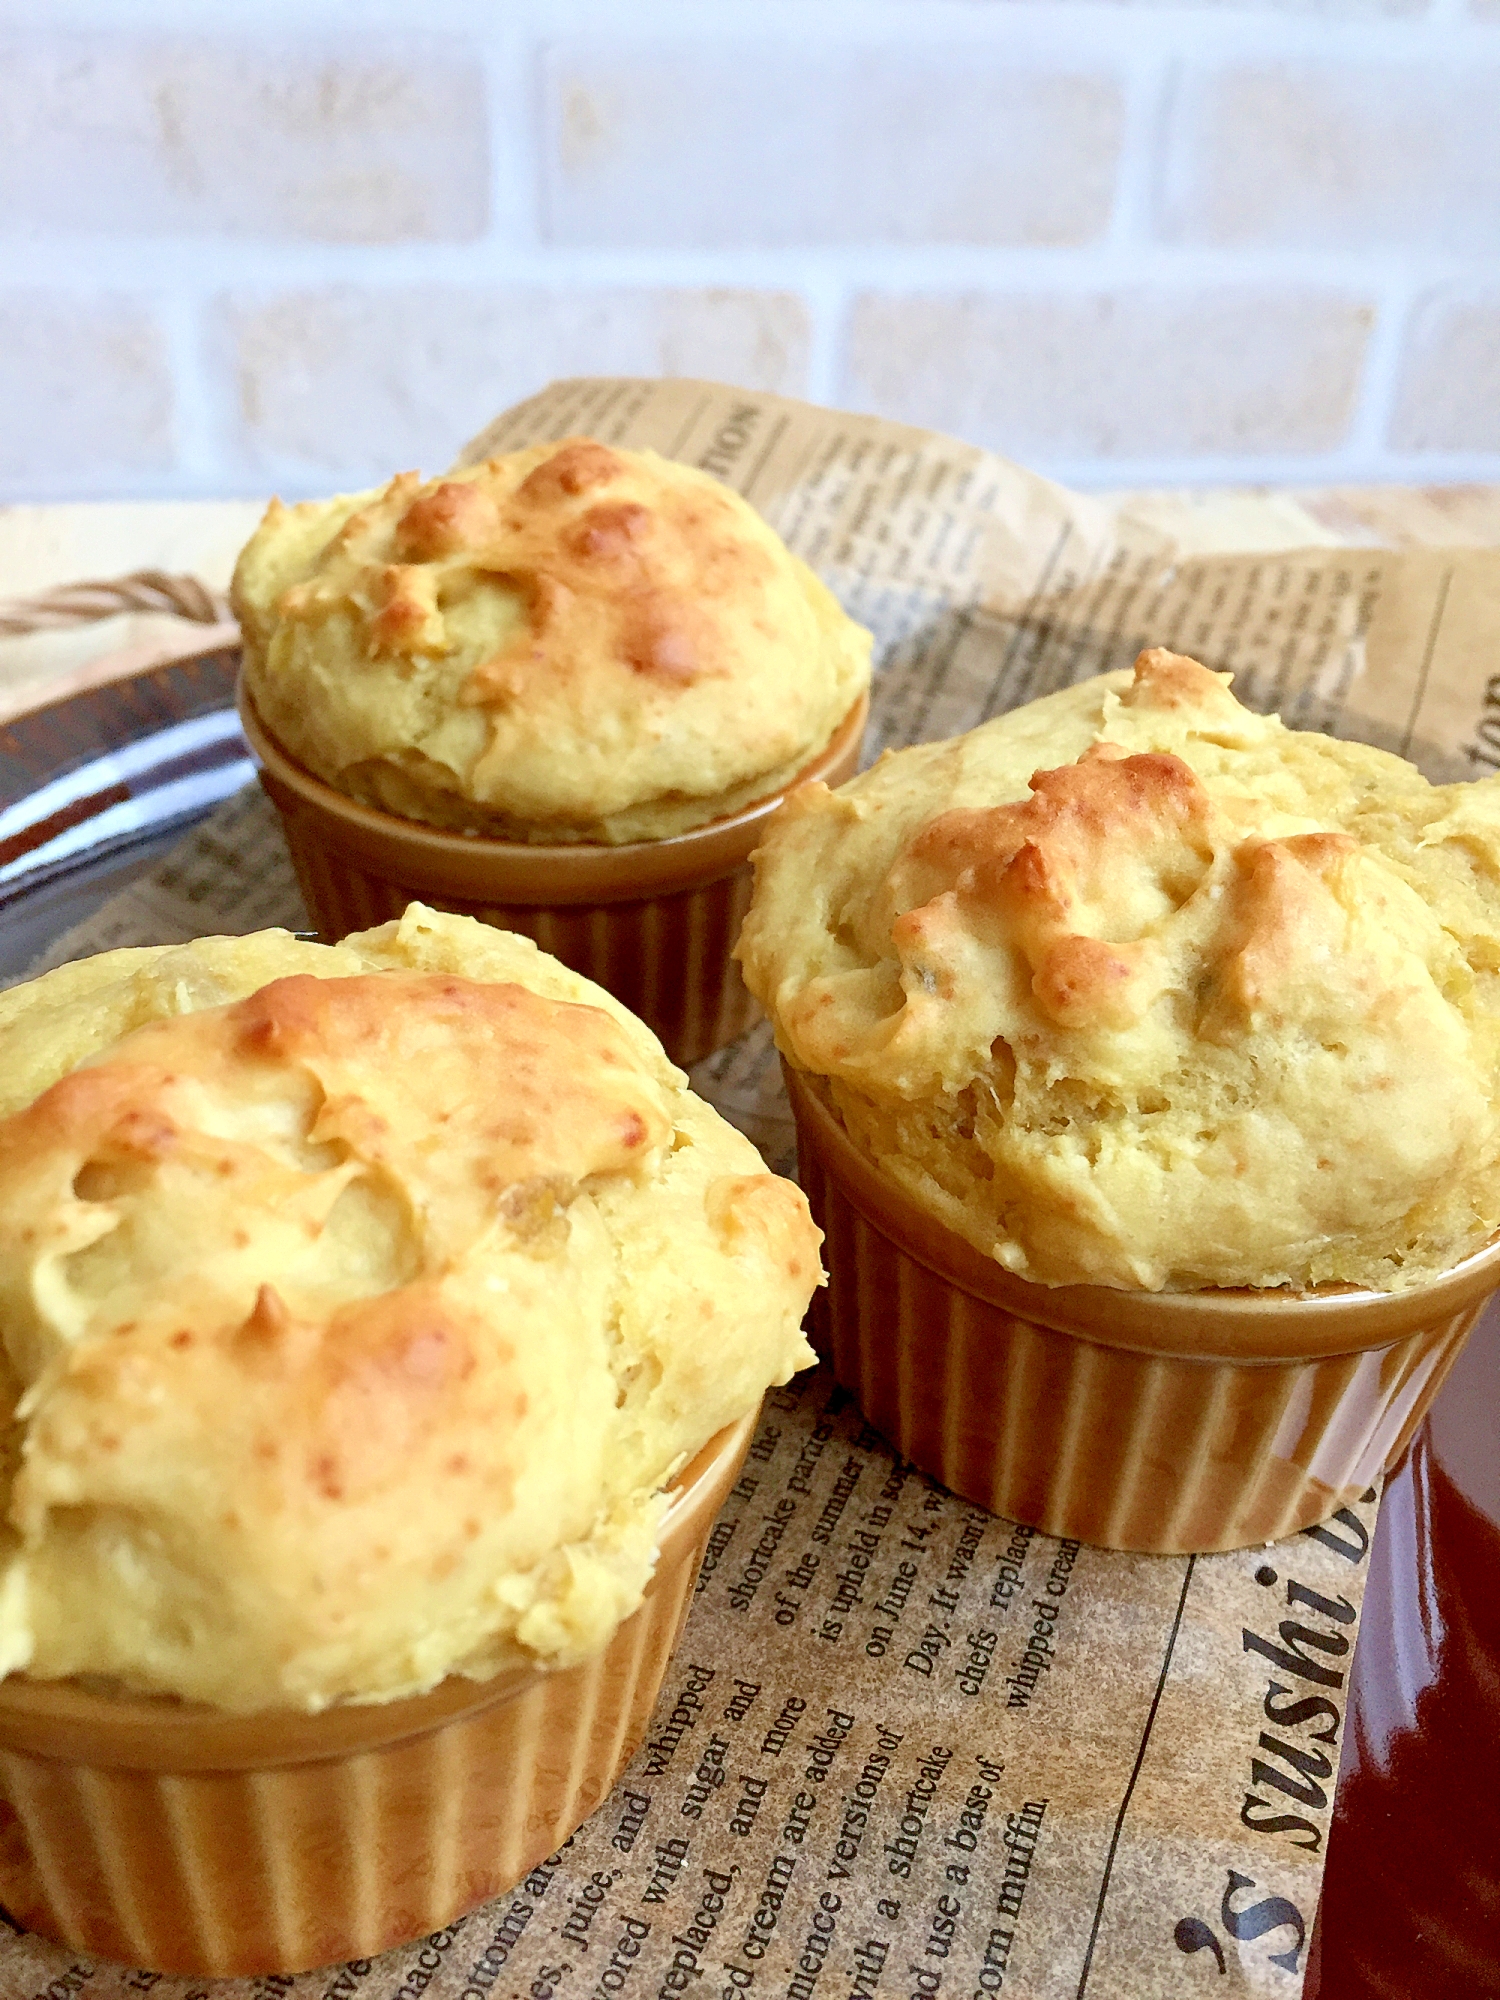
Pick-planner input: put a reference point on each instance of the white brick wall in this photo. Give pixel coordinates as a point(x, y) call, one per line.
point(1207, 371)
point(85, 391)
point(286, 138)
point(746, 146)
point(1302, 154)
point(333, 383)
point(1448, 397)
point(301, 243)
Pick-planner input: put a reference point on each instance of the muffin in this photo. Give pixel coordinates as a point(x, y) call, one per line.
point(1170, 1030)
point(359, 1306)
point(567, 680)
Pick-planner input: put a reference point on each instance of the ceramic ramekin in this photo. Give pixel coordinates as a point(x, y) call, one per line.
point(182, 1839)
point(1163, 1422)
point(653, 922)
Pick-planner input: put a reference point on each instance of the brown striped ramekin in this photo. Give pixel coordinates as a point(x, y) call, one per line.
point(1163, 1422)
point(182, 1839)
point(653, 922)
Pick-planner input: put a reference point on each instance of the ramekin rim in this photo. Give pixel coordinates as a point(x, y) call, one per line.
point(695, 849)
point(1140, 1320)
point(35, 1714)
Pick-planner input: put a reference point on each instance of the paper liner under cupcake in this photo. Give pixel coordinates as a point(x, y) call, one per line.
point(182, 1839)
point(653, 921)
point(1163, 1422)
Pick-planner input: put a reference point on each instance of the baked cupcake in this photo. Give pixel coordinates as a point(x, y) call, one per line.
point(360, 1307)
point(558, 690)
point(1150, 1022)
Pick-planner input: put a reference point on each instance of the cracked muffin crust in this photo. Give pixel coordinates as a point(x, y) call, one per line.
point(1132, 986)
point(357, 1303)
point(569, 643)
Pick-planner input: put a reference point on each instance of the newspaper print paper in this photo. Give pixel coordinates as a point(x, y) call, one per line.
point(907, 1748)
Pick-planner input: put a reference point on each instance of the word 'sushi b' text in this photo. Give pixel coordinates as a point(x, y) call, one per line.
point(1295, 1760)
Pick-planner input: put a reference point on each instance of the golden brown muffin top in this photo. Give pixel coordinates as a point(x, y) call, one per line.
point(1134, 986)
point(567, 643)
point(356, 1304)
